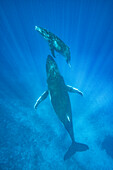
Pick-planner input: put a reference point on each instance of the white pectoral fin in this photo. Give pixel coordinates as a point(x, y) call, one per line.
point(41, 98)
point(73, 90)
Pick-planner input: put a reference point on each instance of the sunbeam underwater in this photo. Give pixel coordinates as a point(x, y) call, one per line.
point(36, 139)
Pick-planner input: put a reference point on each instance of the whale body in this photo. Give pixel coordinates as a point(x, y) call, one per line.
point(55, 43)
point(58, 91)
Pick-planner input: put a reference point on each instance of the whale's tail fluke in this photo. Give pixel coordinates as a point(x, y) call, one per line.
point(75, 147)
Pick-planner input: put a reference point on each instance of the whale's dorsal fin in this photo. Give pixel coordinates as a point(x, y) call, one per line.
point(73, 90)
point(41, 98)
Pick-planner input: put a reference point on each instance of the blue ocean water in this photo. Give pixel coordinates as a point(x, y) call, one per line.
point(35, 139)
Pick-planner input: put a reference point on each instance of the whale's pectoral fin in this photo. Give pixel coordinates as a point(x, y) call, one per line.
point(52, 49)
point(41, 98)
point(75, 147)
point(73, 90)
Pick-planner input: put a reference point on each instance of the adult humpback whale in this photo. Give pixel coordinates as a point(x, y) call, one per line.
point(55, 43)
point(61, 103)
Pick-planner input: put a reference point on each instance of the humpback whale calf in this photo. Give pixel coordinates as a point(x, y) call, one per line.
point(61, 103)
point(55, 43)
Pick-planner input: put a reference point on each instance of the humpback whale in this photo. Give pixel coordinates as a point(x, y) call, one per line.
point(55, 43)
point(58, 92)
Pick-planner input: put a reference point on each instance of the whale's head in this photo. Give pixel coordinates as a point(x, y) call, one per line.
point(43, 32)
point(51, 67)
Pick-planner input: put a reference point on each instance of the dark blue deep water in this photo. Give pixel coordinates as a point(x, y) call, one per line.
point(35, 139)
